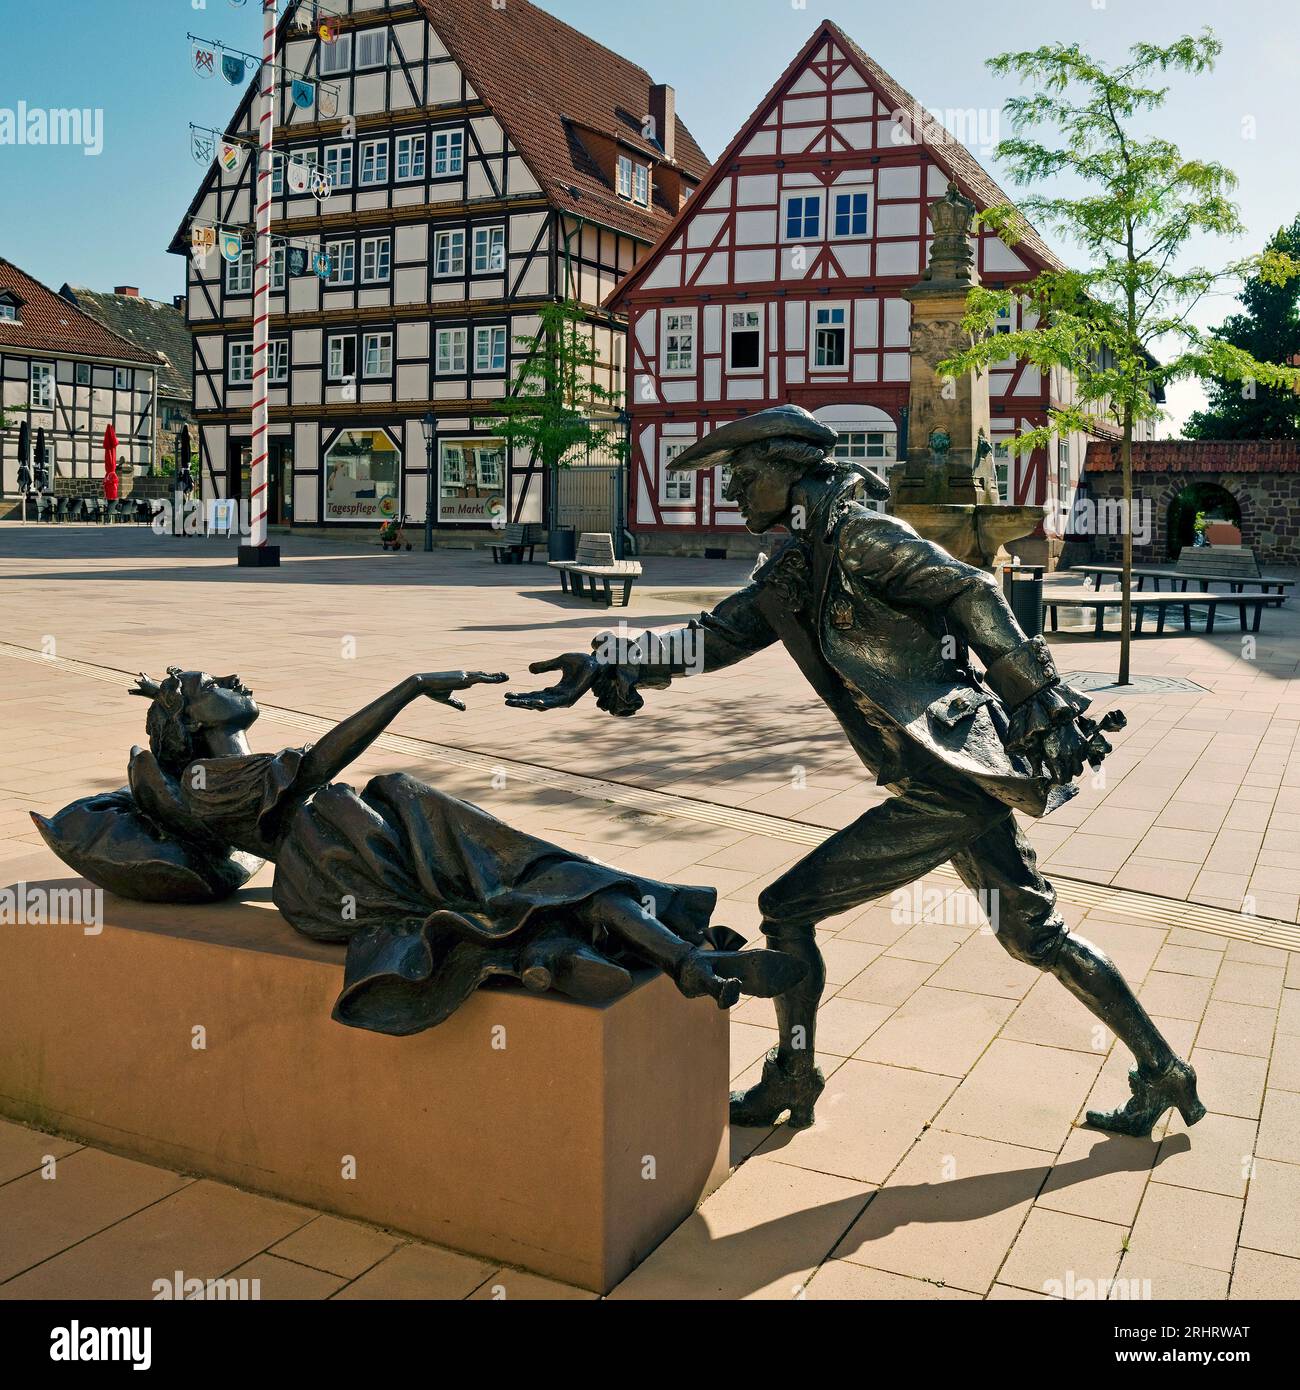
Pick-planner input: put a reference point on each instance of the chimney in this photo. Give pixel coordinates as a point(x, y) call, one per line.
point(129, 291)
point(663, 111)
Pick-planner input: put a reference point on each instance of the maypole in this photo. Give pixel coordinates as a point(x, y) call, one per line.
point(257, 551)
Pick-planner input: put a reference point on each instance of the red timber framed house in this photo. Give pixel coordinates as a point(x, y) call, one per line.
point(781, 281)
point(482, 160)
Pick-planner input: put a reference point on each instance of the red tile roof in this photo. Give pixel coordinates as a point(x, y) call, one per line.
point(946, 150)
point(1199, 456)
point(50, 324)
point(542, 78)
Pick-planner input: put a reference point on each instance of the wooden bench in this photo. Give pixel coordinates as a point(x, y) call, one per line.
point(595, 561)
point(1161, 604)
point(515, 539)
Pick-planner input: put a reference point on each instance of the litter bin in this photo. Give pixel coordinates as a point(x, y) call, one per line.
point(562, 543)
point(1022, 585)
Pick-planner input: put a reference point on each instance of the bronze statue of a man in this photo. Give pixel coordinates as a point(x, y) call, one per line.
point(883, 624)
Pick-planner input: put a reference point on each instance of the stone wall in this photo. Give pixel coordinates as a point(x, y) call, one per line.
point(1270, 514)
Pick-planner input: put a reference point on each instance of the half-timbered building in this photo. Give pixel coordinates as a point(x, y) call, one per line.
point(65, 373)
point(782, 280)
point(481, 160)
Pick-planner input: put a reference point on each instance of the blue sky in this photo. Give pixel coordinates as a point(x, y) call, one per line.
point(106, 220)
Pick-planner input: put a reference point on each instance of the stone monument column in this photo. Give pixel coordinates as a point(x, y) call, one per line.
point(947, 486)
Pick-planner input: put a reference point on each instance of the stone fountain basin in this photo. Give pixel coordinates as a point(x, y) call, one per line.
point(974, 534)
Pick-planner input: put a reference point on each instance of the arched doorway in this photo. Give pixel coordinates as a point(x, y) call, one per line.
point(1216, 502)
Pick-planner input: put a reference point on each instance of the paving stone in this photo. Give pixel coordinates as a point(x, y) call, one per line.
point(278, 1279)
point(1100, 1176)
point(866, 1120)
point(1148, 1277)
point(1242, 983)
point(841, 1280)
point(419, 1272)
point(937, 1030)
point(90, 1191)
point(950, 1212)
point(1259, 1275)
point(1214, 1155)
point(345, 1248)
point(1186, 1226)
point(1055, 1250)
point(1272, 1220)
point(203, 1229)
point(760, 1235)
point(887, 980)
point(518, 1286)
point(1022, 1094)
point(1242, 1028)
point(1178, 996)
point(24, 1150)
point(1279, 1126)
point(1232, 1084)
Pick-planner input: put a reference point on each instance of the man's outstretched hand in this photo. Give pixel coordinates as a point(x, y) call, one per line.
point(578, 671)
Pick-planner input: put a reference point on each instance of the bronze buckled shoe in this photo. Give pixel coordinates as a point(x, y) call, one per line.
point(783, 1086)
point(1152, 1096)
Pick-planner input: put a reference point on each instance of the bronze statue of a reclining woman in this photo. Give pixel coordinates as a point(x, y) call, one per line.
point(432, 895)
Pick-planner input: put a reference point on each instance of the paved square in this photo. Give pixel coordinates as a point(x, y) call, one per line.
point(947, 1160)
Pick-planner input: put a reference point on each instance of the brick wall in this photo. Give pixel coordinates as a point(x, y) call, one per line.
point(1270, 514)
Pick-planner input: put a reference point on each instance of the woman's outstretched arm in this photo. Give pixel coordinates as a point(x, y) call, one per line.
point(346, 742)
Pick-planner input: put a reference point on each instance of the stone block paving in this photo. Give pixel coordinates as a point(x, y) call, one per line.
point(948, 1159)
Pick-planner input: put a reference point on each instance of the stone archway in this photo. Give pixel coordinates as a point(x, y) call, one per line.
point(1183, 505)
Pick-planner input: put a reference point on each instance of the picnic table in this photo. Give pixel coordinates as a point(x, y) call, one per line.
point(1100, 604)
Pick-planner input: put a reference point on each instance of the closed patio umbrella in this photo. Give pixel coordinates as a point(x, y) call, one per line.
point(110, 464)
point(42, 473)
point(183, 475)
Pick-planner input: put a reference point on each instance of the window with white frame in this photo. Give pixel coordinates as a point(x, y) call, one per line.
point(338, 165)
point(409, 157)
point(830, 336)
point(448, 152)
point(449, 252)
point(1062, 467)
point(41, 396)
point(1002, 468)
point(489, 249)
point(239, 274)
point(122, 378)
point(745, 340)
point(278, 162)
point(677, 486)
point(343, 262)
point(802, 220)
point(377, 355)
point(372, 48)
point(852, 213)
point(8, 311)
point(625, 176)
point(453, 465)
point(277, 267)
point(490, 349)
point(679, 341)
point(341, 356)
point(451, 351)
point(641, 184)
point(376, 258)
point(374, 161)
point(869, 449)
point(239, 364)
point(83, 373)
point(336, 57)
point(277, 366)
point(491, 467)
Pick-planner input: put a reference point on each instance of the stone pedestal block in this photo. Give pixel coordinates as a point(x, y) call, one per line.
point(562, 1138)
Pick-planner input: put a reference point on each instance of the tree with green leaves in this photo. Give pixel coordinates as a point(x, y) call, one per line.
point(557, 408)
point(1133, 201)
point(1270, 330)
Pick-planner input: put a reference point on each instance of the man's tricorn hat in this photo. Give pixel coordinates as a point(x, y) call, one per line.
point(781, 422)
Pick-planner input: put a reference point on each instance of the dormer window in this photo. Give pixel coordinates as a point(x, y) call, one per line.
point(633, 180)
point(9, 308)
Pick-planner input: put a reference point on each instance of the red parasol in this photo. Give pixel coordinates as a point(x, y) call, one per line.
point(110, 465)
